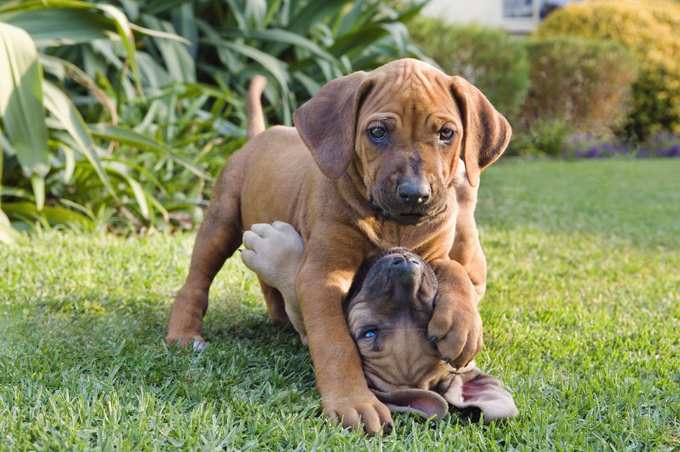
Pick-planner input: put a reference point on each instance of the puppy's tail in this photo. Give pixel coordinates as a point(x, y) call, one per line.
point(255, 115)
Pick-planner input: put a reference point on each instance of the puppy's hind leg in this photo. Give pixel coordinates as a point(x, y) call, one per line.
point(217, 239)
point(275, 303)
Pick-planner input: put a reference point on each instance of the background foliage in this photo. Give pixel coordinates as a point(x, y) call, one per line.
point(119, 115)
point(488, 57)
point(651, 29)
point(585, 83)
point(144, 99)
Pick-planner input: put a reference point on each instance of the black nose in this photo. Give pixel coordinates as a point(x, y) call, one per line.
point(414, 194)
point(401, 266)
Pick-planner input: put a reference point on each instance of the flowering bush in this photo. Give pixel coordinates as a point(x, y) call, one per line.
point(584, 145)
point(649, 28)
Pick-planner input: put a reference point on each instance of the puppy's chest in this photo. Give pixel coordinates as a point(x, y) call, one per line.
point(385, 235)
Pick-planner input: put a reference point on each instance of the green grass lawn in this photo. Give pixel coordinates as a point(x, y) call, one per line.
point(582, 324)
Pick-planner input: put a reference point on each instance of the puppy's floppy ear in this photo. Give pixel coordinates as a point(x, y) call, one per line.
point(474, 389)
point(327, 122)
point(486, 132)
point(426, 403)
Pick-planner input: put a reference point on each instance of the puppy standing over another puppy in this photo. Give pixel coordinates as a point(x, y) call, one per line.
point(368, 167)
point(387, 317)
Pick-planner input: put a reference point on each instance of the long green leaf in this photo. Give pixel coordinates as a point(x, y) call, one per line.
point(6, 231)
point(59, 26)
point(54, 215)
point(3, 217)
point(313, 12)
point(160, 34)
point(347, 21)
point(140, 196)
point(38, 184)
point(83, 79)
point(284, 36)
point(277, 67)
point(68, 116)
point(144, 172)
point(176, 57)
point(140, 141)
point(21, 100)
point(125, 32)
point(185, 24)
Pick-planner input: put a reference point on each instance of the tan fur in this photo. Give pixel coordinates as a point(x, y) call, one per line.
point(320, 177)
point(402, 368)
point(255, 115)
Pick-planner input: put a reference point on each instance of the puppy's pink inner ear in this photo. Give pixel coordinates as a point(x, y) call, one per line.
point(426, 403)
point(483, 392)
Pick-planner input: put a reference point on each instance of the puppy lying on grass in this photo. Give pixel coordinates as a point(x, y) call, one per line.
point(387, 315)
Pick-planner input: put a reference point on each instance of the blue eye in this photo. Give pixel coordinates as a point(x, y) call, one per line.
point(369, 334)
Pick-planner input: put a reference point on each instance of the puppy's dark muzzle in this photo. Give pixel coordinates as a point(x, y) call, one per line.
point(414, 195)
point(413, 202)
point(396, 212)
point(404, 269)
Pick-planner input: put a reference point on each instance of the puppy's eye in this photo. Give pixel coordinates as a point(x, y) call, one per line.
point(378, 133)
point(368, 332)
point(445, 134)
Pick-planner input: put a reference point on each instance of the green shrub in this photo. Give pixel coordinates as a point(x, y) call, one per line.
point(584, 83)
point(131, 131)
point(490, 58)
point(546, 136)
point(651, 29)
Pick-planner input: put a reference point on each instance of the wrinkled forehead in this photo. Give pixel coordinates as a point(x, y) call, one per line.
point(414, 88)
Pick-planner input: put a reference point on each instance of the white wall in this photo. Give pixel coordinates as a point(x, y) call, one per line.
point(487, 12)
point(490, 12)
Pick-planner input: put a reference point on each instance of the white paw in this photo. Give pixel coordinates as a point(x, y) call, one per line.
point(273, 251)
point(199, 345)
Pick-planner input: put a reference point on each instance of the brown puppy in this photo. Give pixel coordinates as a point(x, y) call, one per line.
point(387, 316)
point(369, 166)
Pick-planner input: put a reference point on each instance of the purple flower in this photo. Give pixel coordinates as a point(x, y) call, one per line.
point(673, 151)
point(643, 153)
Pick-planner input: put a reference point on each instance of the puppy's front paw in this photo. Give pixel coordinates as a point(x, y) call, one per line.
point(274, 252)
point(356, 409)
point(457, 331)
